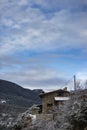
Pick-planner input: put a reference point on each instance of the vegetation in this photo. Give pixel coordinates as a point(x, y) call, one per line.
point(70, 116)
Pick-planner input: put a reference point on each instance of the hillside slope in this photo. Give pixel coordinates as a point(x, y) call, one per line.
point(16, 95)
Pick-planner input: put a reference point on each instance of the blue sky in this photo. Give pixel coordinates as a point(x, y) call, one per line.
point(43, 43)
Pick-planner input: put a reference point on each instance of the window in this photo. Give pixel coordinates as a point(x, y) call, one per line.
point(60, 94)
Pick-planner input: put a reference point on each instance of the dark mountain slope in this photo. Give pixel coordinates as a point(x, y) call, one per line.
point(16, 95)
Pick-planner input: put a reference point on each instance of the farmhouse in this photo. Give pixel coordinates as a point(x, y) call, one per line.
point(52, 99)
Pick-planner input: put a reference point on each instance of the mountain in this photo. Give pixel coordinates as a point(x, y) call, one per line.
point(13, 94)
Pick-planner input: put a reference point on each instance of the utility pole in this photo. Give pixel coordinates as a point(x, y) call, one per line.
point(74, 83)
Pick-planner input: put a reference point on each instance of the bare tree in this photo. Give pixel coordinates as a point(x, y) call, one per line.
point(74, 115)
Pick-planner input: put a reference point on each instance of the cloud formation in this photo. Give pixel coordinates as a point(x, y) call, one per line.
point(30, 28)
point(41, 26)
point(35, 78)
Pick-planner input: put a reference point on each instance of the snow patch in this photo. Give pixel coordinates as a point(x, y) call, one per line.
point(61, 98)
point(2, 101)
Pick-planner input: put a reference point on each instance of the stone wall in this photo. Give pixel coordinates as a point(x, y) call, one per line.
point(48, 101)
point(46, 117)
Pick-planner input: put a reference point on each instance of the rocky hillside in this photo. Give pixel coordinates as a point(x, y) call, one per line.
point(13, 94)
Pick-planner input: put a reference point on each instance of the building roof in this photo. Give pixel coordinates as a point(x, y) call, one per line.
point(59, 90)
point(61, 98)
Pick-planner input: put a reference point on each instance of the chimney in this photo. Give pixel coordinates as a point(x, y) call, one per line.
point(65, 89)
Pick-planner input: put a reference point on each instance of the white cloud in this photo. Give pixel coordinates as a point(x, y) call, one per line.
point(31, 29)
point(35, 78)
point(47, 34)
point(82, 75)
point(7, 22)
point(23, 2)
point(84, 33)
point(60, 4)
point(25, 26)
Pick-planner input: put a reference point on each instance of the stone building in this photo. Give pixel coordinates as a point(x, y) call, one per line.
point(53, 98)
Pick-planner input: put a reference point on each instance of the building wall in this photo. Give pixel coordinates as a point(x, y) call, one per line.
point(46, 117)
point(48, 100)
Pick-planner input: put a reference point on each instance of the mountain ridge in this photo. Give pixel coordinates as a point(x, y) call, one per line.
point(14, 94)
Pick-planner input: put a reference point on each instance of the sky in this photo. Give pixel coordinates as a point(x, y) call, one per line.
point(43, 43)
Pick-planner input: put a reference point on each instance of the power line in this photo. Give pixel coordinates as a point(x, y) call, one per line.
point(67, 82)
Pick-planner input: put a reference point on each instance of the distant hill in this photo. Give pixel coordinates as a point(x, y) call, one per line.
point(14, 94)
